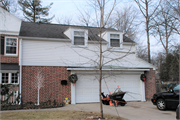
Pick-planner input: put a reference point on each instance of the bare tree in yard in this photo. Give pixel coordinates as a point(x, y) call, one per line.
point(145, 6)
point(39, 80)
point(99, 5)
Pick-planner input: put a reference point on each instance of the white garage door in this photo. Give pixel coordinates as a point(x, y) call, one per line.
point(87, 87)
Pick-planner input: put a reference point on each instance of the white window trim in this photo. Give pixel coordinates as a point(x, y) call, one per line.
point(85, 37)
point(9, 79)
point(109, 41)
point(6, 54)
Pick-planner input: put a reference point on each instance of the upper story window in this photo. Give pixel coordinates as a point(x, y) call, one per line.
point(11, 46)
point(114, 40)
point(79, 38)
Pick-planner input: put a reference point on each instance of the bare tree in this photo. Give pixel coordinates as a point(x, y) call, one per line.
point(142, 52)
point(39, 80)
point(174, 5)
point(145, 6)
point(126, 21)
point(85, 17)
point(64, 20)
point(9, 5)
point(161, 25)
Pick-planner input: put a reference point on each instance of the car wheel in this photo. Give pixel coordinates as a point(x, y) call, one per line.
point(161, 105)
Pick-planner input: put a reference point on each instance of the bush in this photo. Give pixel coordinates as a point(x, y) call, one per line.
point(31, 105)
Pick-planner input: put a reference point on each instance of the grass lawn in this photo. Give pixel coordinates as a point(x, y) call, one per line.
point(53, 115)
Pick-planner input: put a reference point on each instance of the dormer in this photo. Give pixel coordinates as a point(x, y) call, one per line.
point(78, 36)
point(114, 39)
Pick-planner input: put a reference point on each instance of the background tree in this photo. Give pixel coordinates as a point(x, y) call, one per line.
point(125, 19)
point(39, 83)
point(34, 12)
point(170, 68)
point(161, 25)
point(64, 20)
point(174, 5)
point(145, 6)
point(9, 5)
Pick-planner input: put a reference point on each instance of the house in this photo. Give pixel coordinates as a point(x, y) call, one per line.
point(61, 50)
point(57, 51)
point(9, 31)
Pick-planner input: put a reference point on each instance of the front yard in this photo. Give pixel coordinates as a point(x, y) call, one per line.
point(54, 115)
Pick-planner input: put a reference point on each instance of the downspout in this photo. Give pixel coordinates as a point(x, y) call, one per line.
point(20, 62)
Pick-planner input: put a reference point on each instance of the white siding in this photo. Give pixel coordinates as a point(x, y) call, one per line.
point(9, 24)
point(56, 53)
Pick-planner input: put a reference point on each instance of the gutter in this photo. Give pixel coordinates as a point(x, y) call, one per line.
point(93, 69)
point(20, 64)
point(42, 38)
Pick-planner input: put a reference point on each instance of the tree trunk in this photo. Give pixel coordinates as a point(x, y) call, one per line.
point(147, 32)
point(38, 97)
point(100, 75)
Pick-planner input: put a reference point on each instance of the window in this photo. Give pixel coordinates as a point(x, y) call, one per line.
point(11, 46)
point(114, 40)
point(9, 78)
point(5, 77)
point(79, 38)
point(14, 78)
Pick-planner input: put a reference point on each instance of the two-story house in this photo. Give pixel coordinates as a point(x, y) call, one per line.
point(58, 51)
point(9, 32)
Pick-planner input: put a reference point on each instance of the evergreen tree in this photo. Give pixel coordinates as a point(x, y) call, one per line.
point(170, 68)
point(34, 12)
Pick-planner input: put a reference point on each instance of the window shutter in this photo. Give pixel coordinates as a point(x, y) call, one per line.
point(2, 45)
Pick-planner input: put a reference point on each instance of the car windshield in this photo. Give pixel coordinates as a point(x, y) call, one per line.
point(177, 88)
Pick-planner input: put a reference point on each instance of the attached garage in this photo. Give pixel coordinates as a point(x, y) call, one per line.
point(86, 89)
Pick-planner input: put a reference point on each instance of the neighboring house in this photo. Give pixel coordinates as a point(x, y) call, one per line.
point(58, 51)
point(9, 31)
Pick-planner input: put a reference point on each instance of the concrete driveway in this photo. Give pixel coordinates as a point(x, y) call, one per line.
point(131, 111)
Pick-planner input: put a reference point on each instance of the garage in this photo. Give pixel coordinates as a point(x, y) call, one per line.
point(86, 89)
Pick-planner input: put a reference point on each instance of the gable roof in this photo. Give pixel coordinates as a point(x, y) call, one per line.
point(44, 30)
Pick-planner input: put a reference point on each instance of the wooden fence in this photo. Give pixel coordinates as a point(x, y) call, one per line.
point(12, 98)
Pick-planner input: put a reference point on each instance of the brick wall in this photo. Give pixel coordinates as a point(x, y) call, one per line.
point(150, 86)
point(52, 90)
point(10, 59)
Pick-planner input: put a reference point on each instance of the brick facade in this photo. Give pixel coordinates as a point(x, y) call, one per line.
point(9, 59)
point(150, 86)
point(52, 90)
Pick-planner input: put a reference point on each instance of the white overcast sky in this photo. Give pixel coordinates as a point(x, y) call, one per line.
point(72, 8)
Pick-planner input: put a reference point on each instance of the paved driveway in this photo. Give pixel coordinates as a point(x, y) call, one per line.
point(131, 111)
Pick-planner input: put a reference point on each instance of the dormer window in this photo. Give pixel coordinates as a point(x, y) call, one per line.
point(11, 46)
point(79, 38)
point(114, 40)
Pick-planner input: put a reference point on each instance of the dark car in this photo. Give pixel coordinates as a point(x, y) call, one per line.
point(167, 100)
